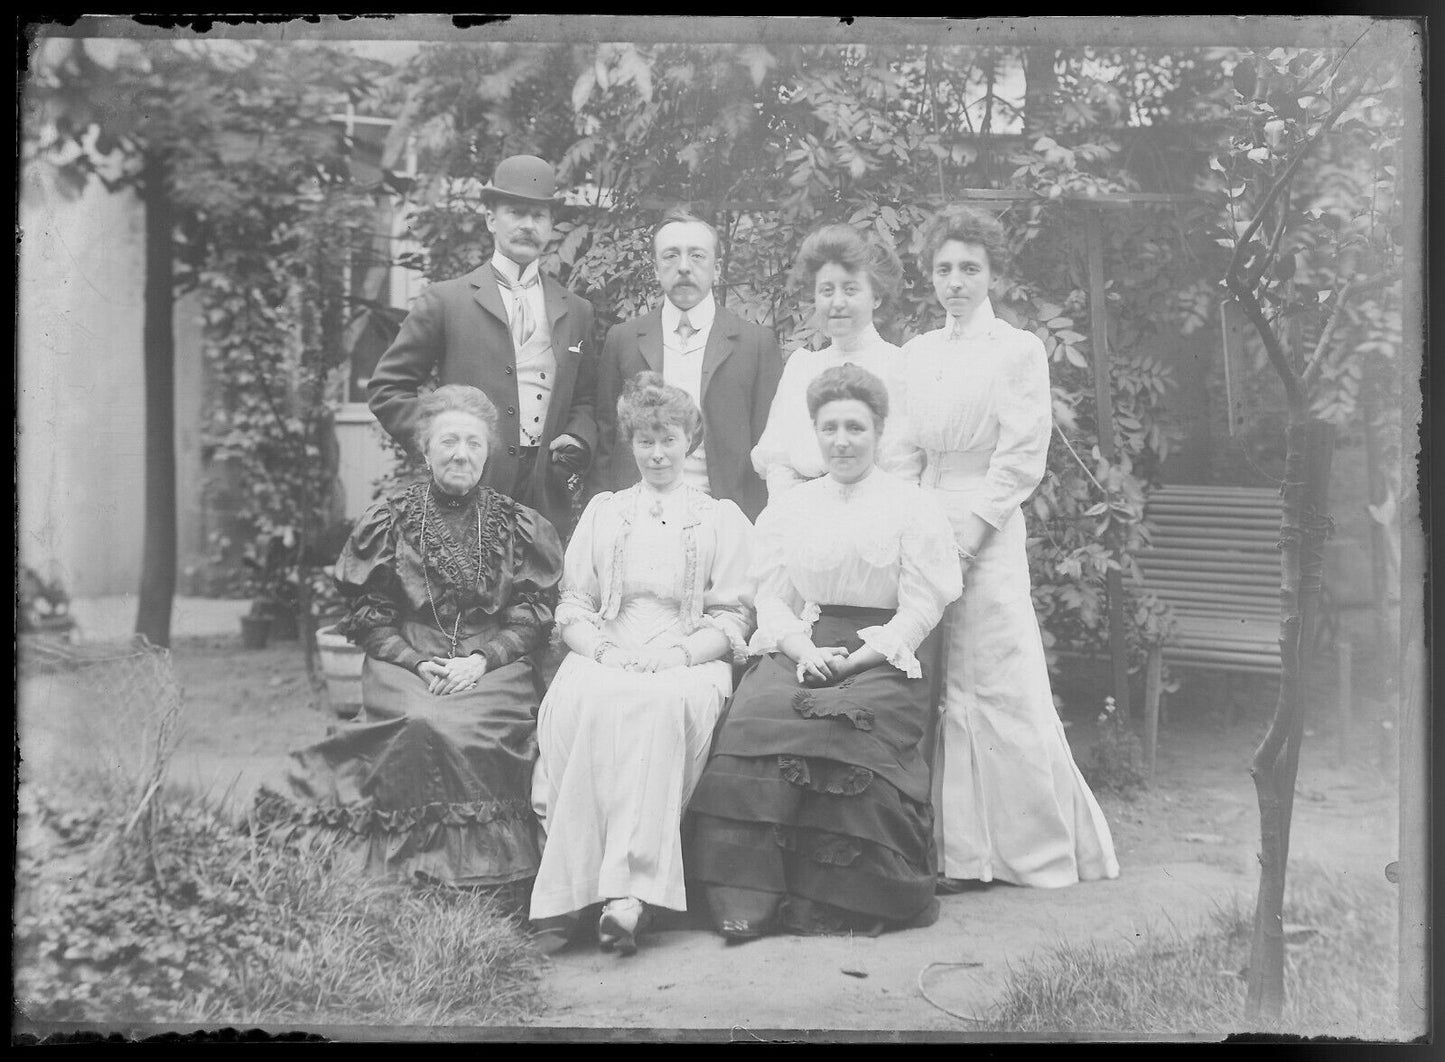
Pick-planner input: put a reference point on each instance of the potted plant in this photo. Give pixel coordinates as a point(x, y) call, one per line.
point(271, 578)
point(340, 660)
point(256, 626)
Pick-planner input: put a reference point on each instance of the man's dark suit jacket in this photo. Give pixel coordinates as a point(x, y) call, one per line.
point(740, 368)
point(459, 329)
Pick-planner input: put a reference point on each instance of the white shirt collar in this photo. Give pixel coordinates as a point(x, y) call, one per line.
point(977, 325)
point(700, 316)
point(867, 341)
point(511, 270)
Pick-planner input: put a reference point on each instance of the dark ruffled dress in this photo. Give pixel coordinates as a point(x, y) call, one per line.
point(426, 786)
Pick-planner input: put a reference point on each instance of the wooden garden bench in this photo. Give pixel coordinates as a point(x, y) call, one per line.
point(1214, 558)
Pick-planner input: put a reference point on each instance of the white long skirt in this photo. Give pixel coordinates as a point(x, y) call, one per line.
point(620, 754)
point(1011, 804)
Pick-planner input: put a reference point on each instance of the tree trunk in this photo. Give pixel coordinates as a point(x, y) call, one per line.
point(1303, 530)
point(158, 554)
point(1041, 82)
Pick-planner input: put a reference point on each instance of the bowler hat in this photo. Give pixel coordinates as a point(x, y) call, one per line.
point(523, 177)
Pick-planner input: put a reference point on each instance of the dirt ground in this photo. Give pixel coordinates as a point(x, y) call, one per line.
point(1185, 845)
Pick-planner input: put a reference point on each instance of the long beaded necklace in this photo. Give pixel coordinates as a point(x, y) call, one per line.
point(457, 626)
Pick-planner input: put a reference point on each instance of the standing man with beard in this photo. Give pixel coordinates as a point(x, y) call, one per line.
point(728, 366)
point(517, 335)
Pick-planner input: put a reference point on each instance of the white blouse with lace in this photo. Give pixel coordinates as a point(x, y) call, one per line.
point(787, 453)
point(984, 397)
point(876, 543)
point(649, 567)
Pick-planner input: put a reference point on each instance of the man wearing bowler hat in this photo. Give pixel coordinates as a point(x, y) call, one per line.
point(516, 334)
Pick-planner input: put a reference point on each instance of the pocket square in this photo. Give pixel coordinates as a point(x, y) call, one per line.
point(576, 350)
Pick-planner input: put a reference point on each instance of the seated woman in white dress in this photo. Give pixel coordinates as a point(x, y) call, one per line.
point(655, 607)
point(854, 281)
point(813, 815)
point(1012, 806)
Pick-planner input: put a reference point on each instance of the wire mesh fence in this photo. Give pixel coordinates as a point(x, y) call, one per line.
point(101, 722)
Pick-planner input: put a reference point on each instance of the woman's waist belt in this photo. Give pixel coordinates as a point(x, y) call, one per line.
point(955, 469)
point(877, 616)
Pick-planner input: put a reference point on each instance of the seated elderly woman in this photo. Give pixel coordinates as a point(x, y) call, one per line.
point(813, 814)
point(655, 607)
point(451, 587)
point(853, 281)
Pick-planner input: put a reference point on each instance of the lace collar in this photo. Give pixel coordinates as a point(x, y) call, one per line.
point(848, 491)
point(450, 502)
point(868, 341)
point(981, 324)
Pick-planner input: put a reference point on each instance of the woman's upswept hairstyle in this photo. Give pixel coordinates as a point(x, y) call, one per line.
point(650, 402)
point(448, 398)
point(845, 246)
point(966, 225)
point(849, 382)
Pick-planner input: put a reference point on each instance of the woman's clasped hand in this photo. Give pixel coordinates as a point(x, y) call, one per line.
point(644, 660)
point(817, 666)
point(445, 676)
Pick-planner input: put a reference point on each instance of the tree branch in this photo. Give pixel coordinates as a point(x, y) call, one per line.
point(1279, 186)
point(1244, 295)
point(1319, 357)
point(1273, 247)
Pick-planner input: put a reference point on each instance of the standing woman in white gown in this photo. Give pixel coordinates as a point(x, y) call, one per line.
point(854, 281)
point(1012, 806)
point(656, 605)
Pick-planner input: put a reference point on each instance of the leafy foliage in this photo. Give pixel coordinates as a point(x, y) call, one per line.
point(1116, 759)
point(769, 142)
point(214, 926)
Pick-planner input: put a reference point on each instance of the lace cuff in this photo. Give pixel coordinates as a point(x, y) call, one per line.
point(732, 626)
point(894, 649)
point(773, 629)
point(574, 606)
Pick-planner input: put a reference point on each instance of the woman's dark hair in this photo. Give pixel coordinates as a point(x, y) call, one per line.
point(458, 398)
point(843, 383)
point(845, 246)
point(966, 225)
point(650, 402)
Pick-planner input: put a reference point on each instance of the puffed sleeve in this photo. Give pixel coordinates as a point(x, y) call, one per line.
point(929, 578)
point(898, 451)
point(781, 609)
point(1025, 419)
point(727, 600)
point(770, 455)
point(580, 598)
point(536, 568)
point(366, 574)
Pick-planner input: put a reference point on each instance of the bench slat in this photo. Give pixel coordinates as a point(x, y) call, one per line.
point(1260, 559)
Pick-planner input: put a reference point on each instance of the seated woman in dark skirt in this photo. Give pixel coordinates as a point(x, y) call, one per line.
point(451, 589)
point(813, 814)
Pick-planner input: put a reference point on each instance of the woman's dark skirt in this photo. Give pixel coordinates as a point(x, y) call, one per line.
point(813, 814)
point(424, 787)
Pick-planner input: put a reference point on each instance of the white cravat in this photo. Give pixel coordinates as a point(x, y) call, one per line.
point(524, 303)
point(536, 363)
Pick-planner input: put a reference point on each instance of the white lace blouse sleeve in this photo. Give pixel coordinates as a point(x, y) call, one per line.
point(929, 578)
point(781, 609)
point(898, 450)
point(727, 601)
point(770, 455)
point(579, 599)
point(1025, 419)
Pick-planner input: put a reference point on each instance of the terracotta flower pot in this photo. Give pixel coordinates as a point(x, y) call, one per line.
point(255, 631)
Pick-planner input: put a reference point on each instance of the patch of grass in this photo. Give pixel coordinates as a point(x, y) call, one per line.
point(201, 923)
point(1340, 972)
